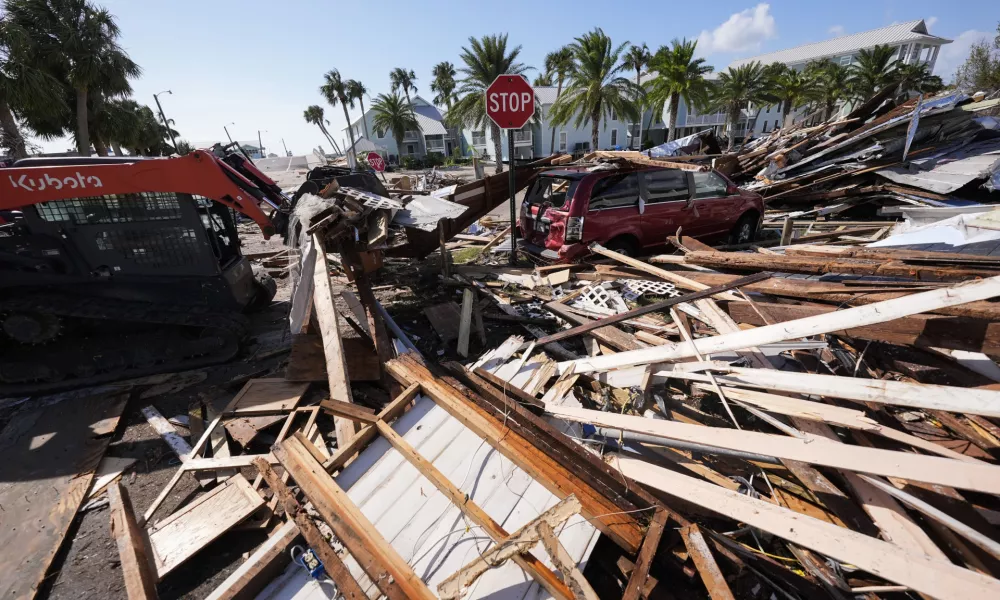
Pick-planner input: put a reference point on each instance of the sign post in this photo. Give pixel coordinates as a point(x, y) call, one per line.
point(510, 103)
point(376, 162)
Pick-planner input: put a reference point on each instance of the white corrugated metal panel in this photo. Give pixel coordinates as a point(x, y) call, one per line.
point(430, 126)
point(902, 33)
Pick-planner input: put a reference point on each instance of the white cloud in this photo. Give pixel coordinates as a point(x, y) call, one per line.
point(931, 21)
point(951, 56)
point(836, 30)
point(743, 31)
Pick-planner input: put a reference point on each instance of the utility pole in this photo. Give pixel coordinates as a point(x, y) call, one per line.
point(261, 144)
point(166, 123)
point(284, 146)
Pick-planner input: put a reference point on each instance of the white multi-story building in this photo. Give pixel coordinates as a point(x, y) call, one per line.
point(911, 42)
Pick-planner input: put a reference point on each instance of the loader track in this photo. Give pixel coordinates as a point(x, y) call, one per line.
point(103, 340)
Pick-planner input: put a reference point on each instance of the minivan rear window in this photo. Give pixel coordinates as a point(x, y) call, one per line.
point(557, 192)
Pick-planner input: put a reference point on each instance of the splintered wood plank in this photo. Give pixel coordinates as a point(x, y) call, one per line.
point(702, 557)
point(140, 581)
point(49, 457)
point(307, 362)
point(646, 554)
point(266, 562)
point(333, 347)
point(268, 396)
point(445, 319)
point(934, 577)
point(184, 533)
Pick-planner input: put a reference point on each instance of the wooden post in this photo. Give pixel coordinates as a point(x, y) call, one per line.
point(465, 325)
point(786, 231)
point(702, 557)
point(443, 239)
point(652, 540)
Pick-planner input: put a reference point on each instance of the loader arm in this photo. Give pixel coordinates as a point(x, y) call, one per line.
point(199, 173)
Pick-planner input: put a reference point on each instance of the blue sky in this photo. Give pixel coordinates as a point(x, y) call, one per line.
point(259, 64)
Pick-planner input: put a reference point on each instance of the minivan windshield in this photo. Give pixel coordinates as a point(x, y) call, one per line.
point(557, 192)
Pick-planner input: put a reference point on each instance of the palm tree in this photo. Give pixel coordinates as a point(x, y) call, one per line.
point(81, 42)
point(314, 115)
point(402, 79)
point(873, 70)
point(793, 89)
point(23, 86)
point(542, 80)
point(636, 59)
point(830, 81)
point(559, 64)
point(735, 90)
point(597, 90)
point(390, 113)
point(679, 76)
point(444, 84)
point(485, 60)
point(916, 78)
point(334, 89)
point(358, 91)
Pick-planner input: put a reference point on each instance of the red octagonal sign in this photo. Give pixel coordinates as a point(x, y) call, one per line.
point(510, 101)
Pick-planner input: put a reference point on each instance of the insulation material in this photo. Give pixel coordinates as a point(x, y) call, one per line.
point(424, 212)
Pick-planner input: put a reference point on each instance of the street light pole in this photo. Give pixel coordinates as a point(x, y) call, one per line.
point(261, 144)
point(166, 123)
point(225, 128)
point(284, 146)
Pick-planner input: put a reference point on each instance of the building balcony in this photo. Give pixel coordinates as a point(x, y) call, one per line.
point(435, 145)
point(411, 136)
point(522, 138)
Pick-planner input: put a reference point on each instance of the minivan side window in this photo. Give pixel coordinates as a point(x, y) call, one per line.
point(615, 191)
point(709, 185)
point(556, 191)
point(667, 185)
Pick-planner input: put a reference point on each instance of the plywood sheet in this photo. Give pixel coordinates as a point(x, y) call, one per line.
point(445, 319)
point(307, 362)
point(49, 457)
point(268, 395)
point(182, 534)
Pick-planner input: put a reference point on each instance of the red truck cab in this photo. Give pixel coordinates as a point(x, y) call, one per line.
point(631, 210)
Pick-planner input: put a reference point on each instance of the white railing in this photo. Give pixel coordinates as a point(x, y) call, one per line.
point(411, 136)
point(522, 137)
point(478, 140)
point(435, 144)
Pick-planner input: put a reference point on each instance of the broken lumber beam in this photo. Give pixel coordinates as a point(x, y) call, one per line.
point(260, 568)
point(708, 569)
point(518, 543)
point(934, 577)
point(609, 335)
point(675, 278)
point(780, 332)
point(332, 564)
point(571, 573)
point(529, 442)
point(646, 554)
point(841, 294)
point(812, 449)
point(937, 331)
point(352, 528)
point(650, 308)
point(133, 546)
point(746, 261)
point(333, 347)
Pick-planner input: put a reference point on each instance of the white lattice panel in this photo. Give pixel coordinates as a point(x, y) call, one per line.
point(634, 288)
point(600, 298)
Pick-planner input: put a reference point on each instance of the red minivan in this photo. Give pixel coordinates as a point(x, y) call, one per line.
point(567, 209)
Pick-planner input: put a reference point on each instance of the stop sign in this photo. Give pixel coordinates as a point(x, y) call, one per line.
point(375, 161)
point(510, 101)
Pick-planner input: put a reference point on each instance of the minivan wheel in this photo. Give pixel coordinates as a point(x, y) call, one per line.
point(622, 246)
point(745, 230)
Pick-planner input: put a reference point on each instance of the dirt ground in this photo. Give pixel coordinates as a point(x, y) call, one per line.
point(87, 565)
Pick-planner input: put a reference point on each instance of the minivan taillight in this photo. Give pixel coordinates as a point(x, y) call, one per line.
point(574, 229)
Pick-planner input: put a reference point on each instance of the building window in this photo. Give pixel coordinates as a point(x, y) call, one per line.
point(563, 144)
point(613, 117)
point(478, 138)
point(779, 105)
point(845, 60)
point(411, 149)
point(776, 123)
point(379, 134)
point(614, 137)
point(764, 130)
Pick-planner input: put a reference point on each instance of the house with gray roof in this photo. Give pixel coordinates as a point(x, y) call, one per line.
point(431, 136)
